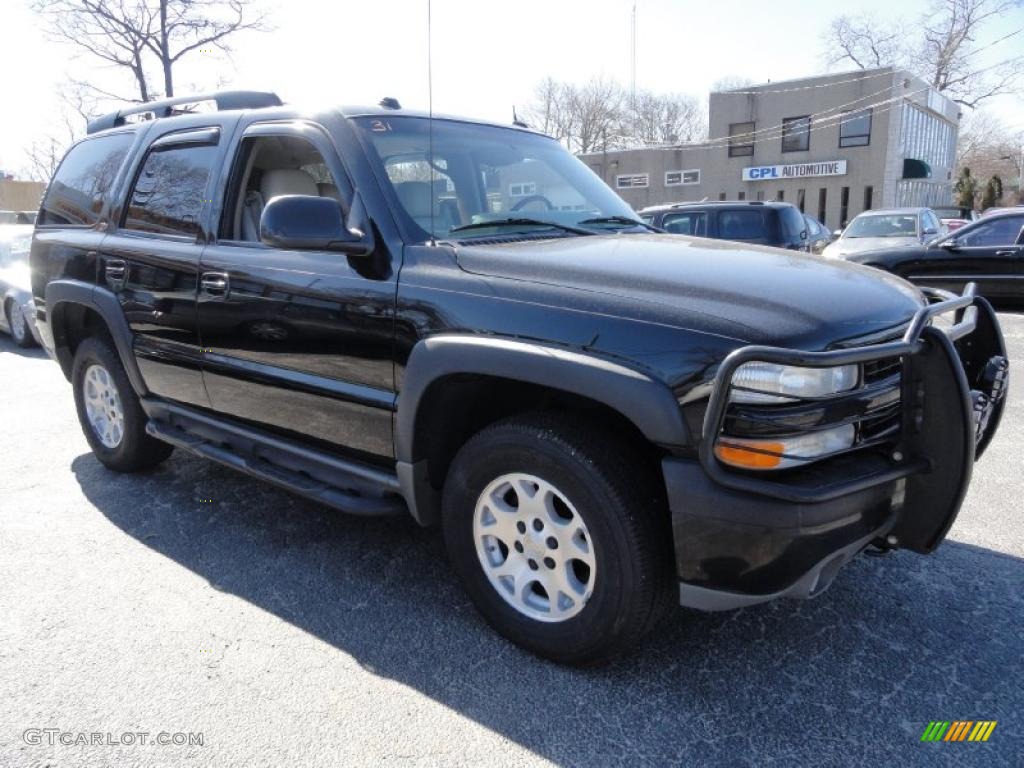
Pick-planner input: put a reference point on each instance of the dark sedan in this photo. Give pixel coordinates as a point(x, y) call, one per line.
point(989, 252)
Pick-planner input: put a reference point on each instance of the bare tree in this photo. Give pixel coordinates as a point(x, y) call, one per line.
point(945, 53)
point(864, 42)
point(140, 36)
point(601, 114)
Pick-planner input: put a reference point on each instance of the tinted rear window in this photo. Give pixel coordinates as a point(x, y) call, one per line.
point(83, 181)
point(792, 224)
point(752, 226)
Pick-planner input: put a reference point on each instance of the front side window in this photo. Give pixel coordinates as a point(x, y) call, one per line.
point(1002, 231)
point(741, 139)
point(266, 167)
point(75, 195)
point(463, 180)
point(693, 223)
point(170, 190)
point(855, 129)
point(796, 134)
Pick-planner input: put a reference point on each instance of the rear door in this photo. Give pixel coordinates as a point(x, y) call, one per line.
point(150, 260)
point(297, 341)
point(693, 223)
point(988, 253)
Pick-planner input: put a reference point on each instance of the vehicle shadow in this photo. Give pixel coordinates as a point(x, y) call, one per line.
point(853, 676)
point(8, 346)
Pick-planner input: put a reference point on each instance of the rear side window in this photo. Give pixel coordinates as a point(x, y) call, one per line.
point(692, 223)
point(170, 190)
point(83, 180)
point(1001, 231)
point(750, 226)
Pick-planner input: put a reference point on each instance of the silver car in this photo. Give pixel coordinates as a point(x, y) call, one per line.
point(887, 228)
point(18, 312)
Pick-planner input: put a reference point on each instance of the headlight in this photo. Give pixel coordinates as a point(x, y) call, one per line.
point(780, 453)
point(770, 383)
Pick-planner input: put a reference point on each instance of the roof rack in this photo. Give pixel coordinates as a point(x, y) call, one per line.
point(165, 108)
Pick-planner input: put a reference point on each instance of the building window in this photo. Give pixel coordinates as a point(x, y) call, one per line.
point(760, 194)
point(680, 178)
point(801, 196)
point(869, 193)
point(741, 196)
point(721, 195)
point(844, 205)
point(522, 189)
point(741, 139)
point(796, 134)
point(631, 180)
point(855, 129)
point(781, 196)
point(822, 203)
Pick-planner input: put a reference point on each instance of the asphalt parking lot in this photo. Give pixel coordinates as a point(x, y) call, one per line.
point(192, 599)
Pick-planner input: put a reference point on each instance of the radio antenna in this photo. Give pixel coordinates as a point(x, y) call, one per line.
point(430, 120)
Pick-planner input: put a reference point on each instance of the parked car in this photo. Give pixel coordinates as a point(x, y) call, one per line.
point(17, 315)
point(603, 419)
point(818, 236)
point(955, 216)
point(988, 252)
point(762, 223)
point(886, 228)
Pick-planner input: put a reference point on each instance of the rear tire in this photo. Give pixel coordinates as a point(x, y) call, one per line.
point(18, 323)
point(109, 411)
point(559, 536)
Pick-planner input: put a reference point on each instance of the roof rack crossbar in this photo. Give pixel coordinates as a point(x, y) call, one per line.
point(165, 108)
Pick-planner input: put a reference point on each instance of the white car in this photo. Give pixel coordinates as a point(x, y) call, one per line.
point(874, 230)
point(18, 312)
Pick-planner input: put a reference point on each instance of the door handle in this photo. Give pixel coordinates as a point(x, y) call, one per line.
point(214, 283)
point(1007, 253)
point(116, 271)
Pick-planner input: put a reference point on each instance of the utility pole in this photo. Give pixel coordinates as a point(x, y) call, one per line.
point(632, 68)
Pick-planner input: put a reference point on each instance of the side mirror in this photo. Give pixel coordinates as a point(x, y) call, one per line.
point(803, 234)
point(950, 244)
point(837, 233)
point(307, 222)
point(929, 231)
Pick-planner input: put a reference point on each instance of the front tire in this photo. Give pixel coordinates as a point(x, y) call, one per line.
point(109, 410)
point(559, 536)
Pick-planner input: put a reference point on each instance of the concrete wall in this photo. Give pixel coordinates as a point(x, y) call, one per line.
point(20, 195)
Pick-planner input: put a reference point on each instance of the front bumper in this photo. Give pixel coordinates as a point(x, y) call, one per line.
point(742, 539)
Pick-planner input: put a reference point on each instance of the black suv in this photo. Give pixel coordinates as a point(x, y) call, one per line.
point(772, 223)
point(387, 313)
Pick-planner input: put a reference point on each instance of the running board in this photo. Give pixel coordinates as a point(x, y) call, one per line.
point(349, 486)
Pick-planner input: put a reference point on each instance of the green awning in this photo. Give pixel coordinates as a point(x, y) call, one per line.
point(916, 169)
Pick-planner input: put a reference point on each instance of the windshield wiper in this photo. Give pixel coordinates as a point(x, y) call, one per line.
point(625, 220)
point(512, 221)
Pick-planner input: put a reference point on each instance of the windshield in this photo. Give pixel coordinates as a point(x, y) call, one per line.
point(883, 225)
point(483, 174)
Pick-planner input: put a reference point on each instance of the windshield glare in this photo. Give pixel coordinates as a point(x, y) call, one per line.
point(887, 225)
point(483, 173)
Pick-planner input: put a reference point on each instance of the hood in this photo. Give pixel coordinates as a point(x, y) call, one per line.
point(751, 293)
point(845, 246)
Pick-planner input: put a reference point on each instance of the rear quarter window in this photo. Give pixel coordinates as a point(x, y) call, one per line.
point(83, 181)
point(793, 224)
point(749, 225)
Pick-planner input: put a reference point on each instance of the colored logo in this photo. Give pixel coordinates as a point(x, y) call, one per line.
point(958, 730)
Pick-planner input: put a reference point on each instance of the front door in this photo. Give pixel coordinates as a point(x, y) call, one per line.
point(988, 253)
point(151, 259)
point(299, 341)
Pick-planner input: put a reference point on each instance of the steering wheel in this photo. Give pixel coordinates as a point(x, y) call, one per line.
point(531, 199)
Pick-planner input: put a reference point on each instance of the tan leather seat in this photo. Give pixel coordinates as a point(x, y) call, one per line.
point(275, 183)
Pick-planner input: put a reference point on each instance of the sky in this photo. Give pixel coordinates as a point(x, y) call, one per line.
point(487, 55)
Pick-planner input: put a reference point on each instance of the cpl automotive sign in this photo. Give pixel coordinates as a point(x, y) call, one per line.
point(795, 171)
